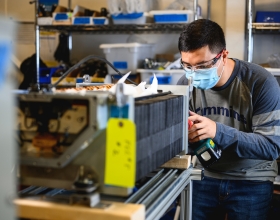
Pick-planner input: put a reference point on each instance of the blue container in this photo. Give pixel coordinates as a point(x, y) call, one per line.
point(127, 16)
point(81, 20)
point(120, 64)
point(61, 16)
point(46, 74)
point(99, 21)
point(162, 80)
point(167, 18)
point(79, 80)
point(268, 16)
point(133, 18)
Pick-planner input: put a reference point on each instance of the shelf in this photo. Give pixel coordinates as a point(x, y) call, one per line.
point(255, 28)
point(114, 29)
point(266, 28)
point(274, 72)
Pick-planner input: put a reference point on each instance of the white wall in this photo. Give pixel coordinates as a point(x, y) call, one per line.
point(19, 9)
point(234, 27)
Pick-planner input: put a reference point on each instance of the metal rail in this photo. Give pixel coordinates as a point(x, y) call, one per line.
point(157, 194)
point(162, 190)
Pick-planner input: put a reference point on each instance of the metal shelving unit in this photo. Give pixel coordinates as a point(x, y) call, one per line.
point(257, 28)
point(116, 29)
point(260, 28)
point(149, 28)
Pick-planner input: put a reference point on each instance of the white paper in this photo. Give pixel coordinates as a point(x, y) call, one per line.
point(139, 90)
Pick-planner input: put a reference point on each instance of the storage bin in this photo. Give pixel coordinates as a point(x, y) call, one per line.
point(133, 18)
point(170, 77)
point(86, 20)
point(162, 80)
point(46, 74)
point(82, 20)
point(62, 18)
point(127, 57)
point(99, 20)
point(268, 16)
point(172, 16)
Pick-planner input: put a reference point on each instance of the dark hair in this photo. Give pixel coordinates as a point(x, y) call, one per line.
point(200, 33)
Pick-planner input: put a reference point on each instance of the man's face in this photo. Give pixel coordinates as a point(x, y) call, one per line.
point(203, 59)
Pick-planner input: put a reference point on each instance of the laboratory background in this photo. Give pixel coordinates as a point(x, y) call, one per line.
point(93, 122)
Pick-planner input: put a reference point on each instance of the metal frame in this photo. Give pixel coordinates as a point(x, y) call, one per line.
point(157, 194)
point(162, 190)
point(37, 44)
point(209, 9)
point(249, 31)
point(95, 125)
point(256, 28)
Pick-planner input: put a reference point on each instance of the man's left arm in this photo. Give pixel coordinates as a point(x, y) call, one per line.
point(264, 141)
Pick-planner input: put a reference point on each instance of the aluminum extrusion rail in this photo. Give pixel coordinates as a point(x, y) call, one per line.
point(162, 190)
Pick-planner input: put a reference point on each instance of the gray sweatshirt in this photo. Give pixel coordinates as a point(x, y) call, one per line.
point(247, 114)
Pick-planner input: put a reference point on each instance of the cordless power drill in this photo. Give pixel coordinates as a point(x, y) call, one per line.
point(206, 150)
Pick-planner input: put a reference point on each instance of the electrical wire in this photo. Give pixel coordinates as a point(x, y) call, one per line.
point(83, 61)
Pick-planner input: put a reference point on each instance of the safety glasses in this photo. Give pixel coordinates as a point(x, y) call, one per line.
point(206, 65)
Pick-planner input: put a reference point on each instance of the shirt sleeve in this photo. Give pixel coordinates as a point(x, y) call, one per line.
point(264, 140)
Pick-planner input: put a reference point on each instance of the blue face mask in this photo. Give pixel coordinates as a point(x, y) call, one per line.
point(204, 78)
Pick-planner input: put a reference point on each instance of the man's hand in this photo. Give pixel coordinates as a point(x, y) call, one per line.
point(202, 128)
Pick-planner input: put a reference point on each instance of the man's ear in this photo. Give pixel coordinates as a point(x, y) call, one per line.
point(225, 56)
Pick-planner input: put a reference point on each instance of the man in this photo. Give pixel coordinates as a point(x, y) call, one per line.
point(237, 105)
